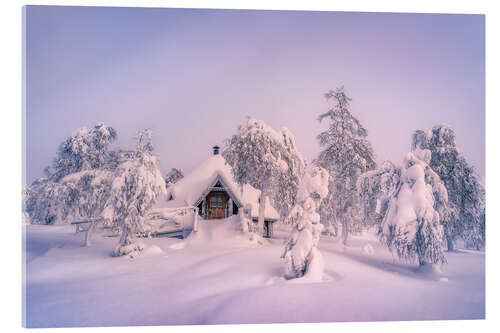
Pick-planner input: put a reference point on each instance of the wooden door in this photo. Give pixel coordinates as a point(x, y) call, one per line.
point(216, 205)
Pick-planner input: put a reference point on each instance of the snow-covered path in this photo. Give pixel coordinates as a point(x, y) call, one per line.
point(221, 277)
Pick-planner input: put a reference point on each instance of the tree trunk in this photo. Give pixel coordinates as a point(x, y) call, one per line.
point(450, 244)
point(345, 232)
point(262, 209)
point(128, 243)
point(88, 233)
point(332, 227)
point(195, 222)
point(421, 262)
point(126, 237)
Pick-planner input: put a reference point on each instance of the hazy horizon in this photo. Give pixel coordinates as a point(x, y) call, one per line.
point(194, 75)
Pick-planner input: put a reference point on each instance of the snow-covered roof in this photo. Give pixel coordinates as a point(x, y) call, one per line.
point(190, 189)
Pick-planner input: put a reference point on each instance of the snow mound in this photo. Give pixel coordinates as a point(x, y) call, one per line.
point(315, 270)
point(153, 250)
point(223, 233)
point(177, 246)
point(432, 272)
point(368, 249)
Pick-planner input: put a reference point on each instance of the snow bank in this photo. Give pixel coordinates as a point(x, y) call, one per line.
point(222, 233)
point(70, 285)
point(368, 249)
point(314, 272)
point(152, 250)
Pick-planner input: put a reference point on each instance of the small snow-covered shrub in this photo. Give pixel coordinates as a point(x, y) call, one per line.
point(301, 254)
point(130, 248)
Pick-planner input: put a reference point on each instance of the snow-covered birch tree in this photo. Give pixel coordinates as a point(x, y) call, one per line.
point(301, 254)
point(136, 185)
point(464, 216)
point(292, 168)
point(77, 186)
point(268, 161)
point(346, 155)
point(411, 226)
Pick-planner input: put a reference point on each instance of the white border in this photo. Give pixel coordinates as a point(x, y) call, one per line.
point(10, 69)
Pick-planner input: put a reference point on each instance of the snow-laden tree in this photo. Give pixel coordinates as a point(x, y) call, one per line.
point(302, 257)
point(375, 188)
point(268, 161)
point(79, 184)
point(136, 184)
point(287, 183)
point(411, 226)
point(77, 196)
point(463, 218)
point(119, 186)
point(173, 176)
point(346, 155)
point(48, 202)
point(86, 149)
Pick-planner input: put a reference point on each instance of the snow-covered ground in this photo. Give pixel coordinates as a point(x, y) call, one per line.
point(219, 276)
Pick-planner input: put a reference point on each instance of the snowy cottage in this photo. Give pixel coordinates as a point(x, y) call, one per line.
point(212, 188)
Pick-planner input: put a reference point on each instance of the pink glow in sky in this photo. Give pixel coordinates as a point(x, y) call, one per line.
point(193, 76)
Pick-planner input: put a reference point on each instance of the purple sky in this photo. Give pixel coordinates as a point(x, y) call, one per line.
point(193, 76)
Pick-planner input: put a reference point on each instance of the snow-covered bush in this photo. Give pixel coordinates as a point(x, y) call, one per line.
point(346, 155)
point(268, 161)
point(136, 184)
point(302, 257)
point(463, 217)
point(411, 225)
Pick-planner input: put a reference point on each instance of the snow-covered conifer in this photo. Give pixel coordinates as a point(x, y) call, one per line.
point(472, 211)
point(302, 257)
point(411, 225)
point(173, 176)
point(268, 161)
point(463, 216)
point(346, 155)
